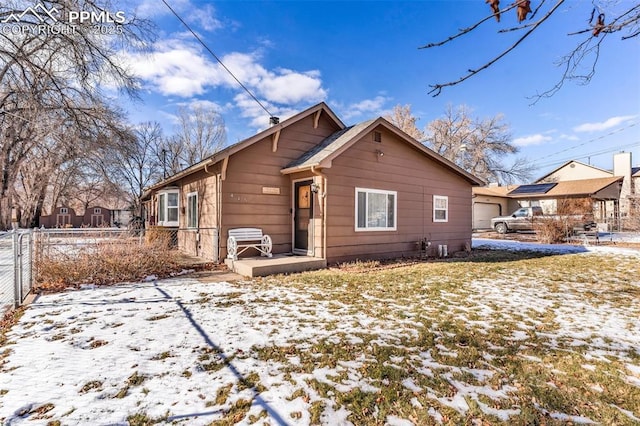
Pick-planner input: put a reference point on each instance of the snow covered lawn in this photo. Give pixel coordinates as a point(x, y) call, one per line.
point(514, 337)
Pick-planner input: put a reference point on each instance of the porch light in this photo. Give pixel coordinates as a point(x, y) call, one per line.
point(379, 152)
point(315, 188)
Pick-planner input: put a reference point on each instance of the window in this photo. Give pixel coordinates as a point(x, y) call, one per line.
point(168, 208)
point(192, 210)
point(97, 210)
point(440, 208)
point(375, 210)
point(64, 210)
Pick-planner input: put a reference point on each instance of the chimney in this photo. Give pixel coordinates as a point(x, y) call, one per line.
point(273, 121)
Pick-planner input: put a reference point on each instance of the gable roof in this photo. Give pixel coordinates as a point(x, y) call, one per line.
point(232, 149)
point(494, 191)
point(569, 162)
point(635, 171)
point(584, 187)
point(323, 154)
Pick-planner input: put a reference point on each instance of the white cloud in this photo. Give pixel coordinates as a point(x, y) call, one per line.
point(569, 137)
point(178, 67)
point(536, 139)
point(605, 125)
point(203, 17)
point(174, 68)
point(367, 106)
point(291, 87)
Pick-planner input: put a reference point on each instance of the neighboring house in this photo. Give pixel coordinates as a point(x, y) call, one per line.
point(320, 189)
point(574, 170)
point(61, 217)
point(615, 194)
point(629, 202)
point(66, 217)
point(489, 202)
point(96, 217)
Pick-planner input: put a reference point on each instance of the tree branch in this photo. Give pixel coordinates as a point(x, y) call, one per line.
point(437, 88)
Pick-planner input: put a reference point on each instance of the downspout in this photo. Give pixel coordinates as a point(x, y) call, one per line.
point(323, 194)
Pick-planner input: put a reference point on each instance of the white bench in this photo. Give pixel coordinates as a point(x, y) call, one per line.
point(246, 238)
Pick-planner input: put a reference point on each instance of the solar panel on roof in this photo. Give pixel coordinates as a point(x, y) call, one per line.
point(541, 188)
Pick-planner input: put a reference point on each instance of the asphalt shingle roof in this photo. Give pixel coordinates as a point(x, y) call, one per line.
point(329, 145)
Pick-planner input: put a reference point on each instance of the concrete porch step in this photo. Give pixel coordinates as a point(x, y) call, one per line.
point(278, 264)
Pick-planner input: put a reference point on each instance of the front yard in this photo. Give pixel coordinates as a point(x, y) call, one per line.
point(500, 337)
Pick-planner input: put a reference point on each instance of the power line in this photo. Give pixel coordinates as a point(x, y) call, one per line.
point(589, 154)
point(613, 132)
point(220, 62)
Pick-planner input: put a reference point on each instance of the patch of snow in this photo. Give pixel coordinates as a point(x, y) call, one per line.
point(489, 244)
point(597, 388)
point(569, 418)
point(397, 421)
point(502, 414)
point(530, 358)
point(410, 384)
point(627, 413)
point(436, 415)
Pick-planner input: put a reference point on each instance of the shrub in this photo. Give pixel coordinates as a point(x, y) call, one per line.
point(102, 261)
point(555, 230)
point(160, 236)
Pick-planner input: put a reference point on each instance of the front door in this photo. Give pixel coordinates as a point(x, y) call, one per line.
point(302, 214)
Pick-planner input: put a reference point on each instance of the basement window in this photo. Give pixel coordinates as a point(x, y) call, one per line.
point(168, 207)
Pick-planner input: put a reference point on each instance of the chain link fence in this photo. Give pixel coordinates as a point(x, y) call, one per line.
point(16, 268)
point(21, 253)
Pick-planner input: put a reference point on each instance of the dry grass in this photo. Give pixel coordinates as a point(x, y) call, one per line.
point(552, 231)
point(103, 261)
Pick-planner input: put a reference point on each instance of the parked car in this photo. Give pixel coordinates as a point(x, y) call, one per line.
point(525, 218)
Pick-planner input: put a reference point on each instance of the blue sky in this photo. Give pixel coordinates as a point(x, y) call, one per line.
point(362, 59)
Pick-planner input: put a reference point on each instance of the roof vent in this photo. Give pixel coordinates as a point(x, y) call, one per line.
point(377, 137)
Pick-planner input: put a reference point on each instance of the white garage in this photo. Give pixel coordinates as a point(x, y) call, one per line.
point(482, 214)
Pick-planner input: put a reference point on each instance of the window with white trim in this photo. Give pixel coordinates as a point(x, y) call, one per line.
point(440, 208)
point(375, 210)
point(97, 210)
point(64, 210)
point(192, 210)
point(168, 203)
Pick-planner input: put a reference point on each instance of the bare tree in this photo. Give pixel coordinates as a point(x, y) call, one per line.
point(603, 18)
point(134, 163)
point(478, 146)
point(200, 133)
point(402, 118)
point(52, 79)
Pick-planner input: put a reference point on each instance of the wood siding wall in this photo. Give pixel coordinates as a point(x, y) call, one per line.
point(256, 167)
point(416, 178)
point(201, 240)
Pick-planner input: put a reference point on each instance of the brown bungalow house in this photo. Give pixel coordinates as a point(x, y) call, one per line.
point(320, 189)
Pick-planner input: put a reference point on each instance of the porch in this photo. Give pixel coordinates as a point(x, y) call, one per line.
point(278, 264)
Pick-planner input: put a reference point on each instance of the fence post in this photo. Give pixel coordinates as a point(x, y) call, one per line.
point(16, 270)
